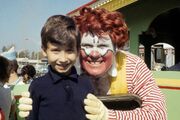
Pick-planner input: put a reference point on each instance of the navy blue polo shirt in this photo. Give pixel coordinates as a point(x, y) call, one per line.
point(57, 97)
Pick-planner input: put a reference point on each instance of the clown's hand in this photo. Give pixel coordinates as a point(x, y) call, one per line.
point(25, 104)
point(95, 108)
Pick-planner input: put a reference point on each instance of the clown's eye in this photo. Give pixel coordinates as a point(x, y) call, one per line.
point(86, 45)
point(102, 46)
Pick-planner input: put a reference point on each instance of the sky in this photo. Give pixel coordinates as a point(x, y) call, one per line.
point(21, 20)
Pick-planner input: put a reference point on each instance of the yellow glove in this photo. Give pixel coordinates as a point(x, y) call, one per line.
point(25, 104)
point(95, 108)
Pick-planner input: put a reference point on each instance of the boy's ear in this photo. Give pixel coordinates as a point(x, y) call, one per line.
point(43, 51)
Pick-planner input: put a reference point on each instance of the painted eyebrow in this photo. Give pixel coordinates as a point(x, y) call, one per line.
point(105, 45)
point(86, 44)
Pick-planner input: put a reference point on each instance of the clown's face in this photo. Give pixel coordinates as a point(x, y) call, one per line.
point(96, 54)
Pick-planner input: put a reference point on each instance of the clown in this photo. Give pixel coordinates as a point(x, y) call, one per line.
point(96, 58)
point(112, 70)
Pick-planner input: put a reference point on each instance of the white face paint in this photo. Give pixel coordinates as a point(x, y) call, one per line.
point(92, 43)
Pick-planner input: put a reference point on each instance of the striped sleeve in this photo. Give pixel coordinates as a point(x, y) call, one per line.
point(141, 83)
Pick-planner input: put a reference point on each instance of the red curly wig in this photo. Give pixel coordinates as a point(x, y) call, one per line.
point(100, 21)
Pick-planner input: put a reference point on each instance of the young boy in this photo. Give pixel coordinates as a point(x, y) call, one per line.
point(5, 93)
point(59, 94)
point(28, 73)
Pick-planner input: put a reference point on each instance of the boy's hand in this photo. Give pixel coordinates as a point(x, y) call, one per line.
point(25, 104)
point(95, 108)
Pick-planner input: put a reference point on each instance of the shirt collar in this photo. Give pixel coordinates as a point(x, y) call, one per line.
point(57, 76)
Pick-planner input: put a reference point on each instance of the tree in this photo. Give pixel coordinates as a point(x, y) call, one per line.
point(33, 55)
point(24, 54)
point(6, 48)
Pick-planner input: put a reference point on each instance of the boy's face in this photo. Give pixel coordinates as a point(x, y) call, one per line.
point(25, 78)
point(61, 57)
point(96, 54)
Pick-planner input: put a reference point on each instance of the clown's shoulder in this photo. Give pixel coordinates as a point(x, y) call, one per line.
point(131, 58)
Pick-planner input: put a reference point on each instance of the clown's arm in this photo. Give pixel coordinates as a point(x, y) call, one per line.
point(142, 84)
point(95, 108)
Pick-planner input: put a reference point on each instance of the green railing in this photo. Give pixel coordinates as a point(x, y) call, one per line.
point(169, 82)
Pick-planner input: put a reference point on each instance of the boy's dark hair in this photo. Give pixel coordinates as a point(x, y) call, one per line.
point(14, 66)
point(4, 69)
point(29, 70)
point(60, 29)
